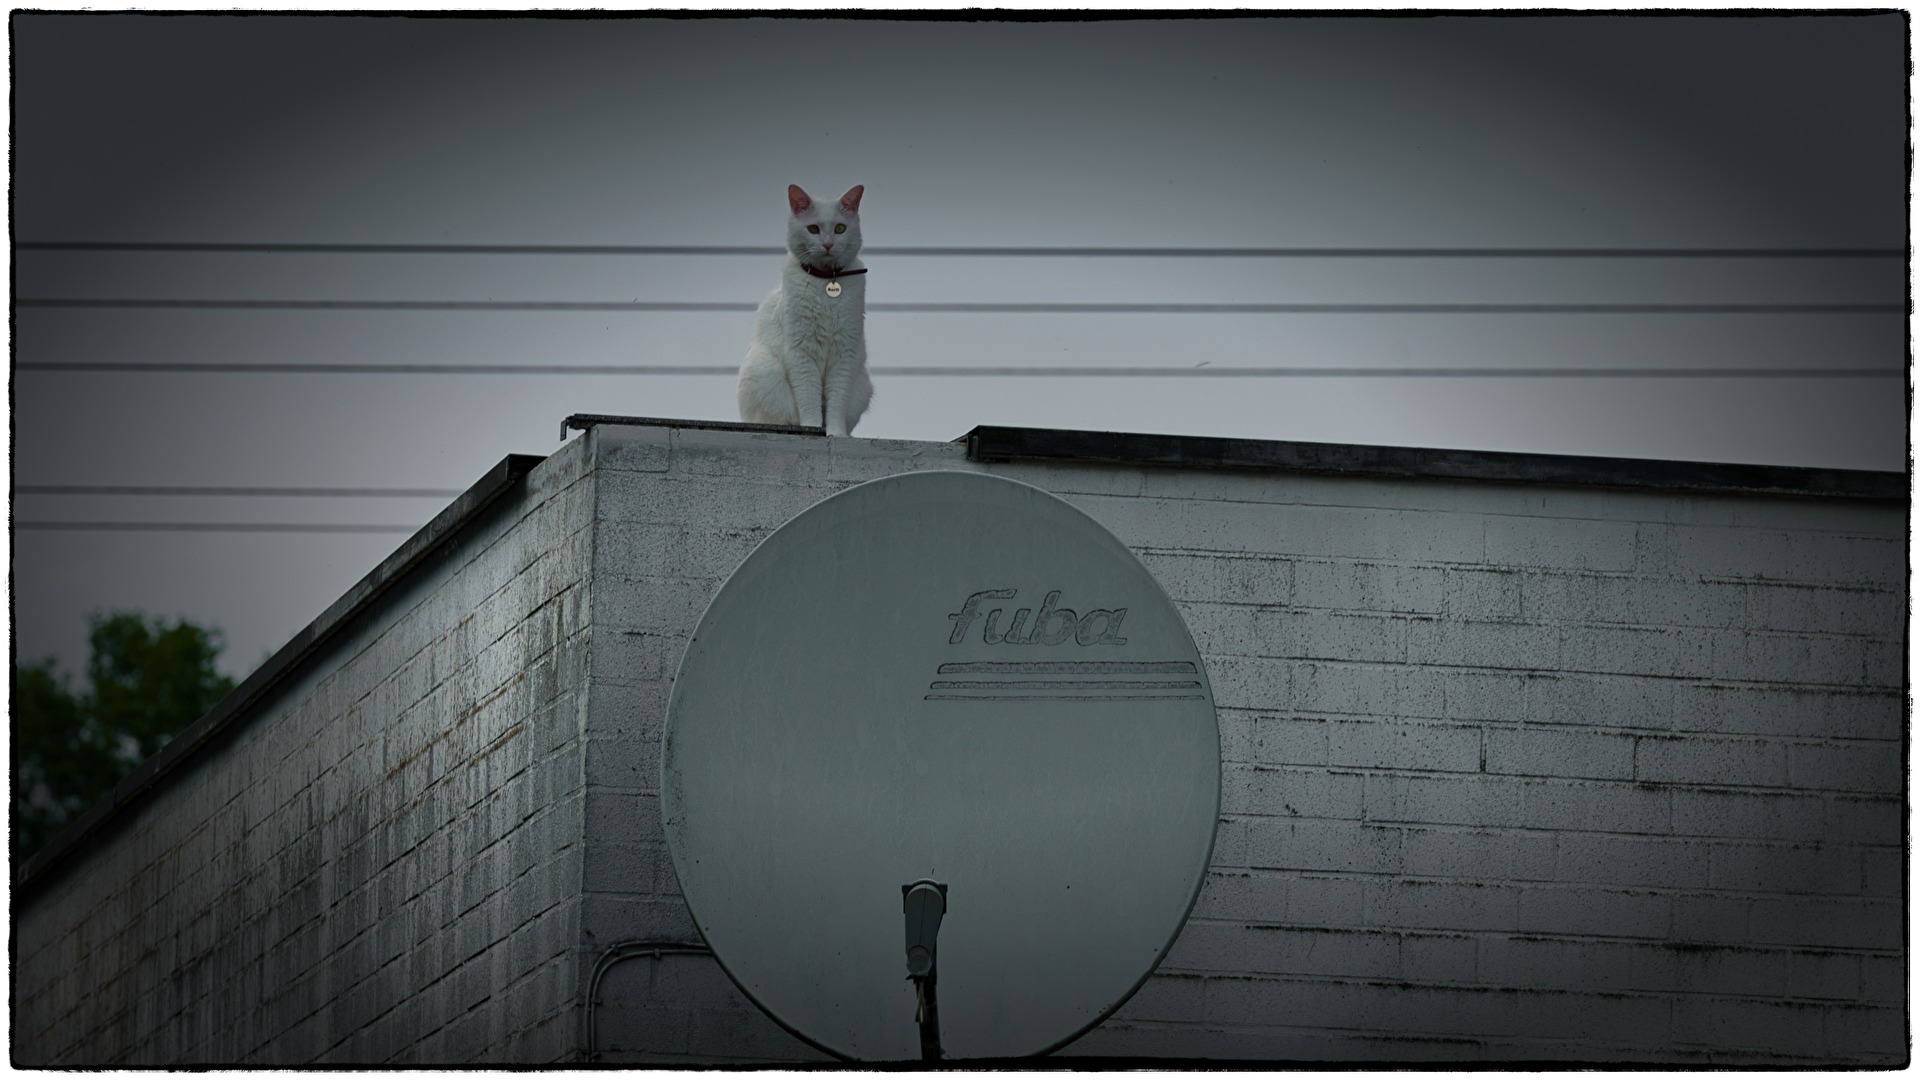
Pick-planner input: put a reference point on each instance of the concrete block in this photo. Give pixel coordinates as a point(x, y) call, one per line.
point(1884, 663)
point(676, 500)
point(1224, 629)
point(1187, 578)
point(1309, 844)
point(1590, 806)
point(1882, 871)
point(1711, 921)
point(1625, 650)
point(1230, 843)
point(1476, 695)
point(1242, 894)
point(1368, 689)
point(652, 605)
point(1497, 645)
point(1763, 656)
point(1818, 516)
point(1847, 560)
point(1165, 998)
point(629, 761)
point(1576, 910)
point(1438, 957)
point(1786, 710)
point(796, 460)
point(1750, 1025)
point(1322, 531)
point(1858, 819)
point(1097, 478)
point(1822, 975)
point(631, 449)
point(622, 815)
point(1310, 793)
point(1483, 595)
point(1838, 923)
point(1875, 612)
point(1331, 636)
point(1633, 860)
point(1444, 800)
point(1478, 854)
point(1256, 1001)
point(1747, 814)
point(1883, 979)
point(1246, 682)
point(1232, 485)
point(1556, 752)
point(627, 710)
point(1326, 900)
point(1850, 766)
point(1781, 868)
point(1236, 735)
point(1560, 544)
point(1539, 963)
point(857, 460)
point(1700, 759)
point(1603, 701)
point(675, 551)
point(615, 867)
point(607, 919)
point(1408, 903)
point(1366, 586)
point(1376, 744)
point(1257, 580)
point(1692, 967)
point(1552, 501)
point(1589, 1019)
point(1281, 950)
point(1867, 1035)
point(1704, 552)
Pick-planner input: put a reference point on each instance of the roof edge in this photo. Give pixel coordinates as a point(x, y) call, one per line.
point(586, 421)
point(992, 443)
point(283, 664)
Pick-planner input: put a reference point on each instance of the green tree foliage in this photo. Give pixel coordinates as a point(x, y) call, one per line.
point(148, 680)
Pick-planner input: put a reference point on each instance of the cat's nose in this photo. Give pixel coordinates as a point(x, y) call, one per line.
point(828, 244)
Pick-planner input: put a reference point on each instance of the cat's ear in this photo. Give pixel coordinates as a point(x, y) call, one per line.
point(797, 199)
point(851, 200)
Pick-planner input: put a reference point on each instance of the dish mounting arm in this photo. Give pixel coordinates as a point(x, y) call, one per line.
point(925, 903)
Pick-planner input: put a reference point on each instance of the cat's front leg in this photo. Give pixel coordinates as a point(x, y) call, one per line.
point(836, 419)
point(807, 393)
point(836, 400)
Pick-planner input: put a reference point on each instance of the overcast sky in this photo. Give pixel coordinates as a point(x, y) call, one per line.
point(1334, 132)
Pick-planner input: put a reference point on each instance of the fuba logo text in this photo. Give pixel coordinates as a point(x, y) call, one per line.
point(1052, 626)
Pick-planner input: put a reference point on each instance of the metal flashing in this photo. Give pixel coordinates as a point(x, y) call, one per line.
point(992, 443)
point(584, 421)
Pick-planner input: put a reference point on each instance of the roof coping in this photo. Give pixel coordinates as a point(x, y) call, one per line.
point(991, 443)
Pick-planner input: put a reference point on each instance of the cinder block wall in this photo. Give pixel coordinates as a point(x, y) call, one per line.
point(381, 863)
point(1511, 771)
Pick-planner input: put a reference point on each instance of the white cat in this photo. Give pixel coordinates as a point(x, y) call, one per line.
point(807, 363)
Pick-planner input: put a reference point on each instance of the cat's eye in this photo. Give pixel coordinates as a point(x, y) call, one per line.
point(840, 228)
point(813, 228)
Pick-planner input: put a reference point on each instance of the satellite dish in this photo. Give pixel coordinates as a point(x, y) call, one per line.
point(952, 705)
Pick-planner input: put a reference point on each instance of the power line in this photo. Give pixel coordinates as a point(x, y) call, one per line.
point(1028, 251)
point(939, 371)
point(209, 526)
point(275, 492)
point(963, 307)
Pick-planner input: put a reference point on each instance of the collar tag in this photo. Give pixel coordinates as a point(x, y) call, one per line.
point(833, 288)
